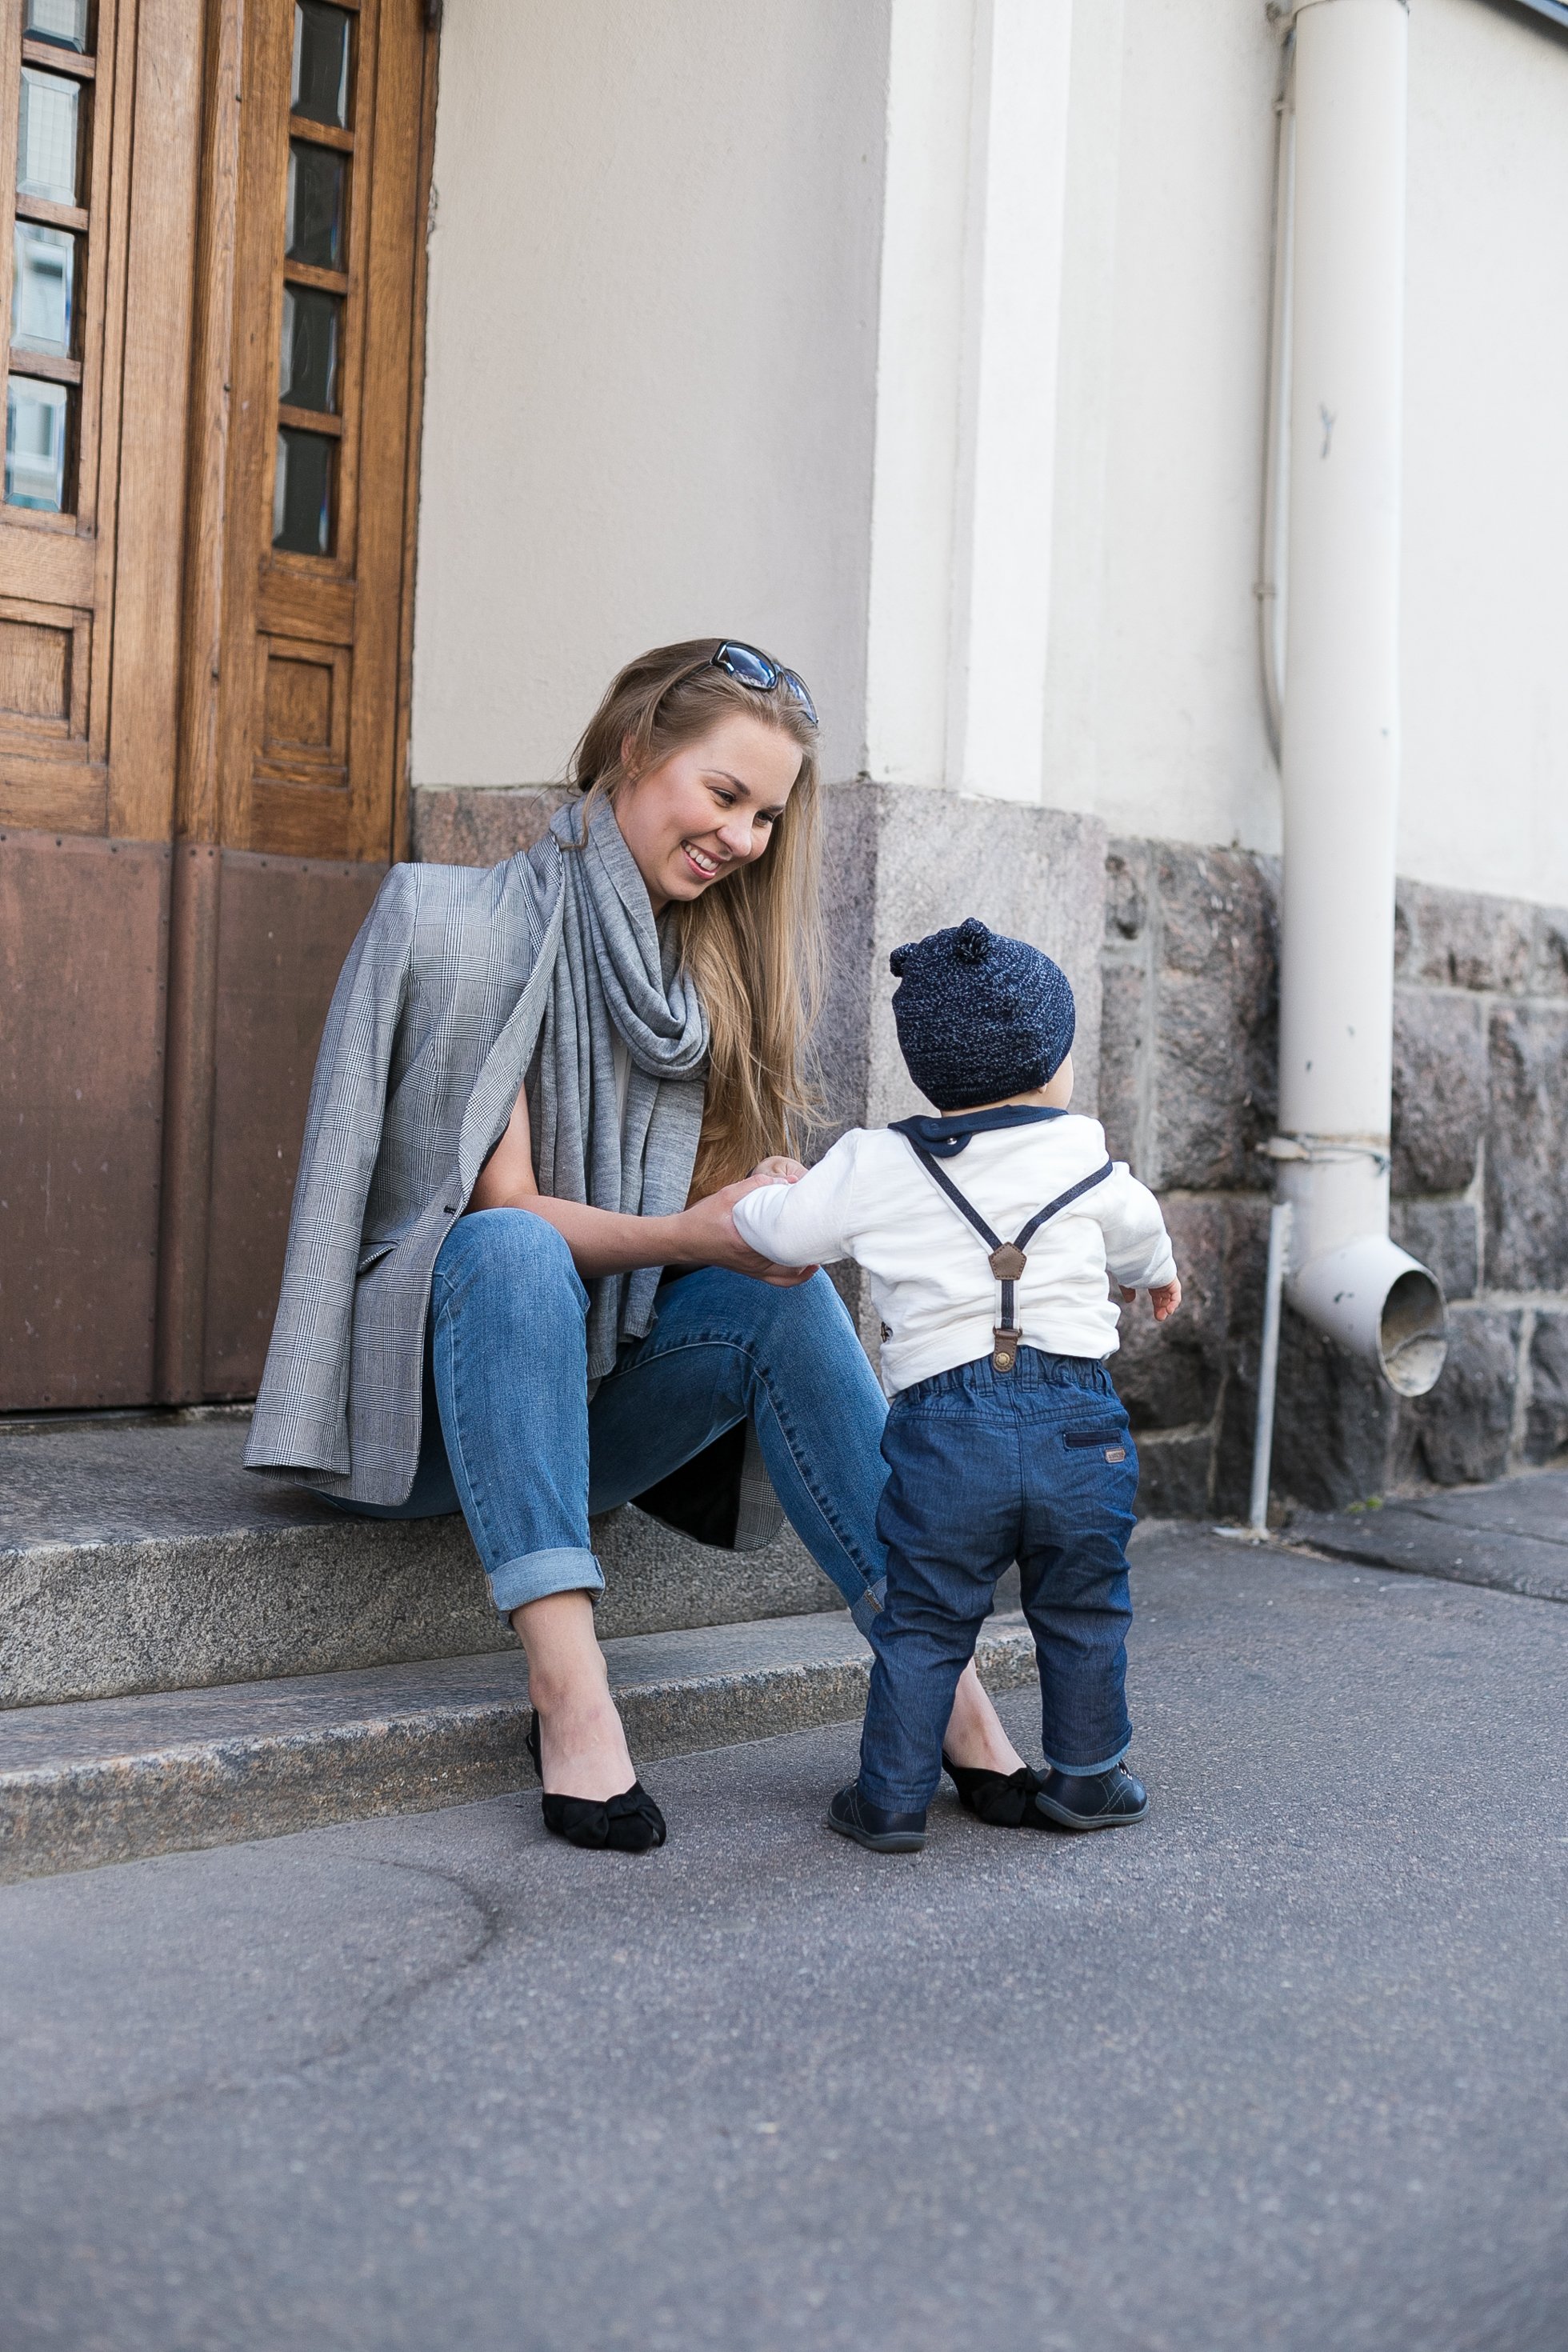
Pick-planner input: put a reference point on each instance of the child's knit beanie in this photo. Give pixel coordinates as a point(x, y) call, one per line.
point(980, 1016)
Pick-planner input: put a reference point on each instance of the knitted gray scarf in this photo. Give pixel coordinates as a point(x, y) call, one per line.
point(616, 971)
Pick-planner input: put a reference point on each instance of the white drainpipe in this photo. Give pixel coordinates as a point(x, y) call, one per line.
point(1340, 732)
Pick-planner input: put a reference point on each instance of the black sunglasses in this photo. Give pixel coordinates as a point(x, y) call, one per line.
point(749, 667)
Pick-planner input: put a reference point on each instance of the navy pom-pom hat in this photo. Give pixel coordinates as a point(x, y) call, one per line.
point(980, 1016)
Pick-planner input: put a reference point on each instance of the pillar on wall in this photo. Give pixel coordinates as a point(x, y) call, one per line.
point(959, 608)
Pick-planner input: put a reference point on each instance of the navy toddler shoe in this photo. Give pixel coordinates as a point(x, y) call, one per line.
point(855, 1816)
point(1091, 1801)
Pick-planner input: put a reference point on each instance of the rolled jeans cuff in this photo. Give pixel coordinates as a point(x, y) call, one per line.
point(1087, 1772)
point(864, 1611)
point(537, 1573)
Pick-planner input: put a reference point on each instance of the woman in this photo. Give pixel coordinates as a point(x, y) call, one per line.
point(540, 1091)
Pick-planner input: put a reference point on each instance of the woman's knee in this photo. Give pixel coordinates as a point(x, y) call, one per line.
point(511, 1248)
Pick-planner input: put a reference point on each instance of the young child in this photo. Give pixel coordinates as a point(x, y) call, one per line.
point(988, 1234)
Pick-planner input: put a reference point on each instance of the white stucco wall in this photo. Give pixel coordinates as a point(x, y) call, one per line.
point(651, 345)
point(1155, 720)
point(679, 382)
point(1485, 454)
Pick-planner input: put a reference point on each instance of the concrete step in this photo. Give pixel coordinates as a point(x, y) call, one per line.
point(140, 1556)
point(111, 1780)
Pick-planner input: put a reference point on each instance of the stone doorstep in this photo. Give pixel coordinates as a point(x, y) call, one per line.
point(143, 1557)
point(115, 1780)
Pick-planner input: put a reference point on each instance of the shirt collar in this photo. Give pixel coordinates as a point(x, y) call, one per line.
point(945, 1137)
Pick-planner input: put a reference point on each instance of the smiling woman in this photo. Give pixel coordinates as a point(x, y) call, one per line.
point(514, 1283)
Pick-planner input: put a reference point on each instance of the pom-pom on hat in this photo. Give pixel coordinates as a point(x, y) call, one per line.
point(980, 1016)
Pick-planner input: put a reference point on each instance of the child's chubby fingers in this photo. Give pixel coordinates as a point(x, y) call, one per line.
point(778, 1170)
point(1164, 1297)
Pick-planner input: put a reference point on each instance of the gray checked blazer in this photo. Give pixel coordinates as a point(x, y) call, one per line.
point(431, 1026)
point(433, 1022)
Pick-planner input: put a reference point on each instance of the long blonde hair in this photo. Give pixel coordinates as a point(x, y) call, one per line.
point(752, 942)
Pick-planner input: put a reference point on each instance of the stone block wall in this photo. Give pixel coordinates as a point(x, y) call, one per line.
point(1479, 1182)
point(1178, 1039)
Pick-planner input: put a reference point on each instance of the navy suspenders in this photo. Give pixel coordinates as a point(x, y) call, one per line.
point(1006, 1257)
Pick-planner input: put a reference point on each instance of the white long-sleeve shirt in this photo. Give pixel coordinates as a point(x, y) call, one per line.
point(871, 1200)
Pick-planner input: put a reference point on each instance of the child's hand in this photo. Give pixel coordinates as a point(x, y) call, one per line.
point(777, 1170)
point(1165, 1298)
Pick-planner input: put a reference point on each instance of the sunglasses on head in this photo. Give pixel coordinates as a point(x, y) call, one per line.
point(749, 667)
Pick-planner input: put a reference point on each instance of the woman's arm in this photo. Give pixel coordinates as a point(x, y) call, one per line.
point(602, 1241)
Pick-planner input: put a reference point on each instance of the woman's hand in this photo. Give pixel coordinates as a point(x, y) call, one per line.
point(709, 1236)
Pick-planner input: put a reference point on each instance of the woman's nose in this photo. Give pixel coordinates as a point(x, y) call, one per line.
point(736, 834)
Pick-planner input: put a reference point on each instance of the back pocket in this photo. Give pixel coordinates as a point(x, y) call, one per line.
point(1109, 1442)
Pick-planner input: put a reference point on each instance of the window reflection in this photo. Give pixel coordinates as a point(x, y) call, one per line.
point(38, 431)
point(302, 492)
point(321, 84)
point(46, 137)
point(308, 375)
point(314, 225)
point(43, 289)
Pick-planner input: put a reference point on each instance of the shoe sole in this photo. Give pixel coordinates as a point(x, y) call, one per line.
point(1060, 1819)
point(887, 1842)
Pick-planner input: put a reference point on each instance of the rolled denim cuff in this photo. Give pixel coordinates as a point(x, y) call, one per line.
point(537, 1573)
point(864, 1611)
point(1087, 1772)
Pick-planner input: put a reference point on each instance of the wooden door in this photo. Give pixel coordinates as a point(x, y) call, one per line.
point(100, 122)
point(215, 279)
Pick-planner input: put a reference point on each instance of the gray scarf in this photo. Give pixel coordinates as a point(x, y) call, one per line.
point(616, 972)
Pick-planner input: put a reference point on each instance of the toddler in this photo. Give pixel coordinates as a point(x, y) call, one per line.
point(988, 1234)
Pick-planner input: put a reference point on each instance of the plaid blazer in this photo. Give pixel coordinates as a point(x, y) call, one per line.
point(433, 1022)
point(431, 1026)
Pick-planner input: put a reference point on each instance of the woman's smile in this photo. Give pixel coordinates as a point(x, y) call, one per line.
point(710, 808)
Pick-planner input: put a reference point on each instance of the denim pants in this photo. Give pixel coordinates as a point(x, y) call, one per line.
point(514, 1441)
point(984, 1468)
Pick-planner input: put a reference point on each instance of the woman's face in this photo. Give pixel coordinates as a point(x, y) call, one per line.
point(708, 809)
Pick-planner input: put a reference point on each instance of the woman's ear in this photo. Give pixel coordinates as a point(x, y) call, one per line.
point(629, 758)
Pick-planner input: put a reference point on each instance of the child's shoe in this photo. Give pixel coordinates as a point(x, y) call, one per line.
point(1093, 1801)
point(855, 1816)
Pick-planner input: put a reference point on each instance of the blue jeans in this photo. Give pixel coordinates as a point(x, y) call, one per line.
point(514, 1441)
point(984, 1468)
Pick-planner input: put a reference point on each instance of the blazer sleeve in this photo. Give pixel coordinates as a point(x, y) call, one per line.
point(301, 1423)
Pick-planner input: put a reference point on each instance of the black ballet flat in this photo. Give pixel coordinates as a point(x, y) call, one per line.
point(1004, 1800)
point(629, 1823)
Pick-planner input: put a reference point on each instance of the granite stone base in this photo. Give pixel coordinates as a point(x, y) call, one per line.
point(1481, 1193)
point(1177, 1052)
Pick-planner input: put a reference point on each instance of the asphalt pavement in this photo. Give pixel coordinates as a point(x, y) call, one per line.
point(1283, 2066)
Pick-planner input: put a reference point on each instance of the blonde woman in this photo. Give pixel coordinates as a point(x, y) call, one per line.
point(513, 1283)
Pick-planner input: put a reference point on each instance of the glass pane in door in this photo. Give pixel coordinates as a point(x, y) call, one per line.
point(43, 289)
point(302, 492)
point(314, 229)
point(38, 433)
point(46, 137)
point(64, 22)
point(322, 45)
point(308, 375)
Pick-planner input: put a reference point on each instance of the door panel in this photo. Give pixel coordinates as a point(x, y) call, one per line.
point(82, 946)
point(285, 927)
